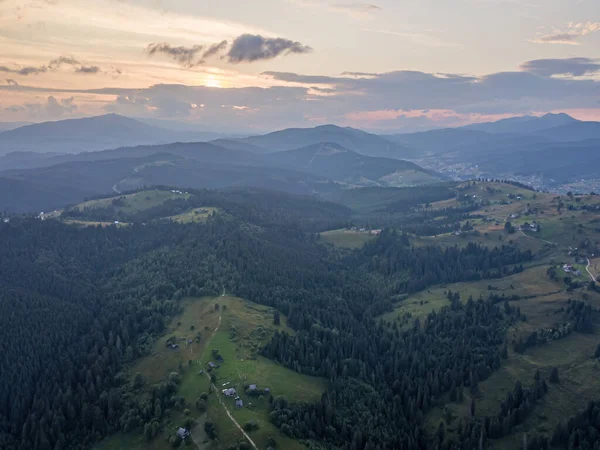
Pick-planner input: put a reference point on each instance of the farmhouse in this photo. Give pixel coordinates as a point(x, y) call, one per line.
point(183, 433)
point(211, 364)
point(239, 403)
point(231, 392)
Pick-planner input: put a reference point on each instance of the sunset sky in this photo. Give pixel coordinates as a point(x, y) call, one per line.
point(268, 64)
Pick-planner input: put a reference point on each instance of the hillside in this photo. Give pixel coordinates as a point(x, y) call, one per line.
point(349, 138)
point(88, 134)
point(524, 125)
point(340, 164)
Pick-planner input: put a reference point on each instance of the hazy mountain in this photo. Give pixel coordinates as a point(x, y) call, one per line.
point(233, 144)
point(185, 127)
point(72, 181)
point(201, 151)
point(6, 126)
point(435, 141)
point(349, 138)
point(340, 164)
point(89, 134)
point(573, 132)
point(525, 124)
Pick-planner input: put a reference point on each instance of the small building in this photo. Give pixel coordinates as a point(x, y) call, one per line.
point(174, 346)
point(239, 403)
point(252, 387)
point(211, 364)
point(231, 392)
point(190, 341)
point(267, 391)
point(182, 433)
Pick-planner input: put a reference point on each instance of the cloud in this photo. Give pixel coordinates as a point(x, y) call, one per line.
point(215, 49)
point(50, 109)
point(356, 10)
point(88, 69)
point(426, 39)
point(67, 60)
point(307, 79)
point(576, 67)
point(253, 47)
point(569, 35)
point(55, 64)
point(245, 48)
point(185, 56)
point(391, 100)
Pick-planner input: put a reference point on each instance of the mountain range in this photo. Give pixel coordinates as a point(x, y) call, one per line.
point(91, 134)
point(68, 160)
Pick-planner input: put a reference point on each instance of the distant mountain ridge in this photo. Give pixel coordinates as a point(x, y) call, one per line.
point(333, 161)
point(90, 134)
point(525, 124)
point(350, 138)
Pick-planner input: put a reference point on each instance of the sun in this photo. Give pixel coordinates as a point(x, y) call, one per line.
point(211, 81)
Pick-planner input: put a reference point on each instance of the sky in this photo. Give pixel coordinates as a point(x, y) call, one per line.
point(260, 65)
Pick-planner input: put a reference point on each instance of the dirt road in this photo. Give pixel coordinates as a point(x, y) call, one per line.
point(217, 393)
point(587, 268)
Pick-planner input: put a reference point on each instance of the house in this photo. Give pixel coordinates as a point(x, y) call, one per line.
point(211, 364)
point(252, 387)
point(239, 403)
point(6, 220)
point(116, 222)
point(267, 390)
point(190, 341)
point(376, 232)
point(568, 268)
point(182, 433)
point(231, 392)
point(174, 346)
point(577, 273)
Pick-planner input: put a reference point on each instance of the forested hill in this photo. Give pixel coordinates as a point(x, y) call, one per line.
point(79, 304)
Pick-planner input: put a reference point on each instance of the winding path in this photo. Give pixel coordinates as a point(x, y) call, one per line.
point(587, 268)
point(235, 422)
point(533, 237)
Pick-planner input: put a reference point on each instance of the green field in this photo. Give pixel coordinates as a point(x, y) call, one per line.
point(242, 328)
point(195, 215)
point(132, 203)
point(540, 300)
point(347, 238)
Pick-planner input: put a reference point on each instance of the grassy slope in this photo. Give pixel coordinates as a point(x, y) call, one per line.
point(136, 202)
point(347, 238)
point(254, 326)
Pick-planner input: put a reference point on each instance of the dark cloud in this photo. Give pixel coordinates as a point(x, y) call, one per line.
point(253, 47)
point(67, 60)
point(32, 70)
point(186, 56)
point(576, 67)
point(215, 49)
point(55, 64)
point(25, 70)
point(88, 69)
